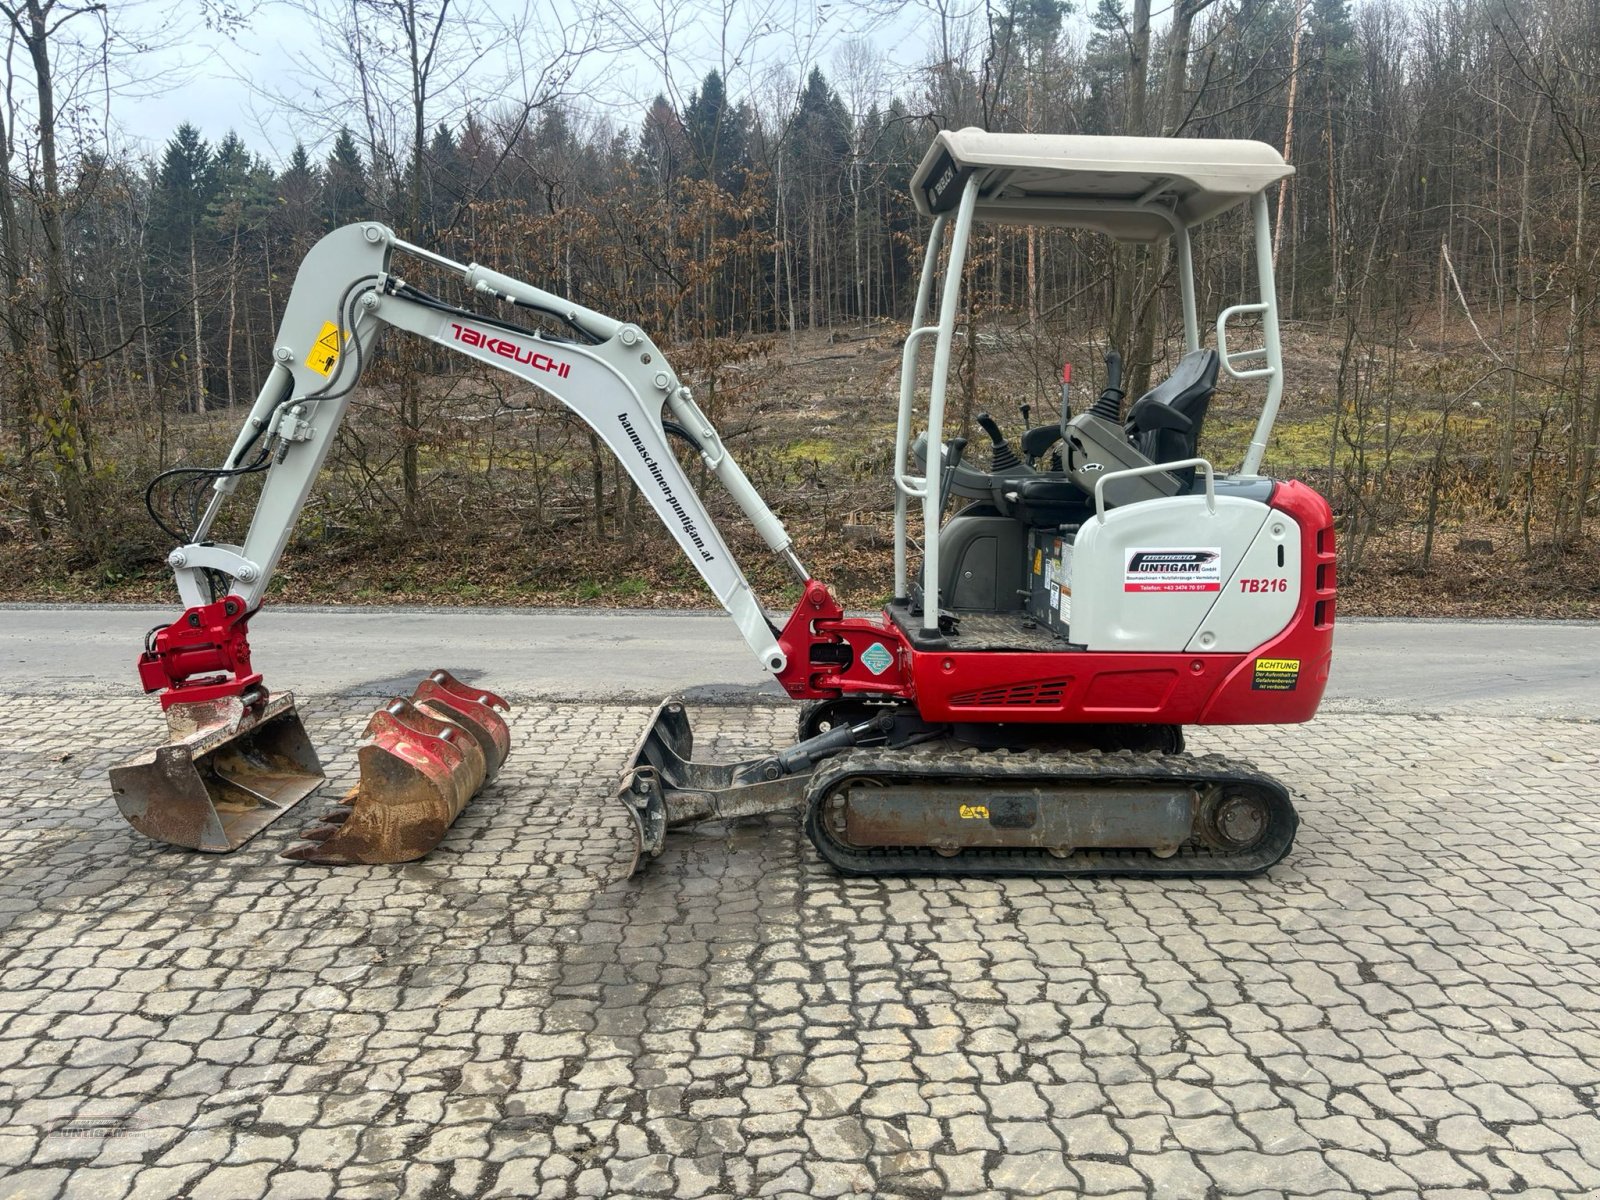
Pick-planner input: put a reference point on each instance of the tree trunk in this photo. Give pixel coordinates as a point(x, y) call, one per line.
point(1288, 132)
point(199, 348)
point(233, 315)
point(19, 322)
point(70, 436)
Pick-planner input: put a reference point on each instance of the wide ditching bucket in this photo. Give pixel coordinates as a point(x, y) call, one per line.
point(233, 767)
point(422, 760)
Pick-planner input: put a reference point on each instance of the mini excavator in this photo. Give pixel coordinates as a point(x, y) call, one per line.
point(1016, 708)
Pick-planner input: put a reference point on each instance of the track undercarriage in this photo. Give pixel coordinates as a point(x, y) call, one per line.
point(884, 793)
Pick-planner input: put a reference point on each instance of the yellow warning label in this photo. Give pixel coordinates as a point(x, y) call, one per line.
point(324, 355)
point(1038, 561)
point(1276, 675)
point(974, 812)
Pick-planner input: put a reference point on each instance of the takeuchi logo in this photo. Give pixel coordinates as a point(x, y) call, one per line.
point(537, 359)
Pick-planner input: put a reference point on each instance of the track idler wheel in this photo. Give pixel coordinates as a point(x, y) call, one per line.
point(422, 761)
point(1232, 821)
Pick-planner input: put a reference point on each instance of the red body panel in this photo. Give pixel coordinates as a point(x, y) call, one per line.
point(1073, 687)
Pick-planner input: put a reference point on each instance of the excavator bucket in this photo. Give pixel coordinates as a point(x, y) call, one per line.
point(231, 769)
point(447, 698)
point(422, 761)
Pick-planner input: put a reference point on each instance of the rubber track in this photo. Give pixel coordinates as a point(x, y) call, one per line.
point(935, 763)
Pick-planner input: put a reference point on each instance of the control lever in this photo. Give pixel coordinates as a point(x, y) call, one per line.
point(1109, 405)
point(1039, 439)
point(1066, 385)
point(1001, 456)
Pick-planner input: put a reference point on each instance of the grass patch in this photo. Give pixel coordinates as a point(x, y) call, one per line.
point(809, 450)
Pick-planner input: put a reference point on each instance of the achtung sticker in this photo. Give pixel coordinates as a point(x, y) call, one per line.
point(1038, 561)
point(1173, 569)
point(974, 812)
point(324, 355)
point(1276, 675)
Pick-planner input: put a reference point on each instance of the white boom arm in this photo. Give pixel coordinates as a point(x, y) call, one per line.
point(618, 384)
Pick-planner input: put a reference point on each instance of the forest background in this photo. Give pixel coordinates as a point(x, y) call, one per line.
point(1435, 249)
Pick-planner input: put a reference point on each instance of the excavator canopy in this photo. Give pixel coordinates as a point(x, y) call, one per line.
point(1125, 187)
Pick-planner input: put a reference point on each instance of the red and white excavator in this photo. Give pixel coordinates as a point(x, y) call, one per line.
point(1016, 708)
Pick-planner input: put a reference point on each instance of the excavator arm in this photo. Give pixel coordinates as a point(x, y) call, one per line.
point(608, 372)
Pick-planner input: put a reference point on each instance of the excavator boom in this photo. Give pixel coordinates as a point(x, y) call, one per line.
point(239, 757)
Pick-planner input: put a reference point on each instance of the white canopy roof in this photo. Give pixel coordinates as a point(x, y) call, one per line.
point(1122, 186)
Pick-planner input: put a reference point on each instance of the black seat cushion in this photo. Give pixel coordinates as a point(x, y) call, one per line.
point(1164, 424)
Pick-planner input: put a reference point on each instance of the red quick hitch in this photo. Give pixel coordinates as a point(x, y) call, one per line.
point(207, 641)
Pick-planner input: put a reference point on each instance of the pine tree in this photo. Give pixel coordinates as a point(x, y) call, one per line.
point(717, 133)
point(345, 182)
point(298, 220)
point(234, 209)
point(185, 187)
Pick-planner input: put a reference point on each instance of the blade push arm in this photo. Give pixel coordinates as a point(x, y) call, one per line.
point(612, 376)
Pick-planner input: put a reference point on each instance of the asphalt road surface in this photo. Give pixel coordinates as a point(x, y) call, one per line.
point(1528, 668)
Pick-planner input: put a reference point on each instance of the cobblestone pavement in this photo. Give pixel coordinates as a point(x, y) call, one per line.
point(1410, 1004)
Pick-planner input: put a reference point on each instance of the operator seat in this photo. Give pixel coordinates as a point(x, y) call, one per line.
point(1164, 423)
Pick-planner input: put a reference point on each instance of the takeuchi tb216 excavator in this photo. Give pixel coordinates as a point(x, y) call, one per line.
point(1017, 708)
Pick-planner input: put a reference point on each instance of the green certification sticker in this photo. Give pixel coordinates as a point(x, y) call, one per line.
point(877, 659)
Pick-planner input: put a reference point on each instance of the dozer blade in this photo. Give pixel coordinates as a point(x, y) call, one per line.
point(662, 786)
point(231, 769)
point(421, 763)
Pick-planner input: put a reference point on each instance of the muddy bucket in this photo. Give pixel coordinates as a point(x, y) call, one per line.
point(472, 708)
point(422, 761)
point(233, 767)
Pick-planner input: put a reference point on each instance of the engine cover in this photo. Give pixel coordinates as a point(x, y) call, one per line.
point(1175, 574)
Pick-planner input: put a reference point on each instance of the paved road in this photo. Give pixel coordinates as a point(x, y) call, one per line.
point(1499, 667)
point(1408, 1005)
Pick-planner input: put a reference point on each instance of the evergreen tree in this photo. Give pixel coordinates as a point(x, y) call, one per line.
point(664, 151)
point(185, 187)
point(1106, 59)
point(717, 133)
point(443, 186)
point(298, 219)
point(345, 182)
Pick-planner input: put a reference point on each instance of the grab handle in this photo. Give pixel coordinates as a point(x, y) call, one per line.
point(1152, 469)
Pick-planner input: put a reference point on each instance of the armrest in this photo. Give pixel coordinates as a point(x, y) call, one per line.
point(1039, 439)
point(1151, 413)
